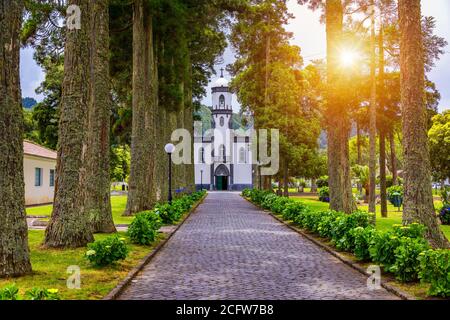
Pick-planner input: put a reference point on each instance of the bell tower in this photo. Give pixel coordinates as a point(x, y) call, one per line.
point(221, 98)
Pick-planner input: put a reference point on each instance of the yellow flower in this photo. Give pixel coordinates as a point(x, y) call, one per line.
point(90, 253)
point(53, 291)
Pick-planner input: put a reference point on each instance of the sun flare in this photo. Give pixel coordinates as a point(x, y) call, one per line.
point(349, 57)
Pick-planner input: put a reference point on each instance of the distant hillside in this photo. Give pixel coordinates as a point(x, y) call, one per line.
point(28, 103)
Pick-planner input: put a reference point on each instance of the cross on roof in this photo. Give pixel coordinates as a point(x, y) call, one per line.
point(221, 72)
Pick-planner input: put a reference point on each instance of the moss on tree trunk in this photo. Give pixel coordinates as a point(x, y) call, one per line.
point(141, 194)
point(418, 197)
point(98, 200)
point(14, 252)
point(69, 224)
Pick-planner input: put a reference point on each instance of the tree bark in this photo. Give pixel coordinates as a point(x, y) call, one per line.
point(338, 122)
point(286, 179)
point(383, 192)
point(69, 224)
point(141, 194)
point(98, 201)
point(14, 252)
point(418, 197)
point(381, 125)
point(313, 185)
point(393, 158)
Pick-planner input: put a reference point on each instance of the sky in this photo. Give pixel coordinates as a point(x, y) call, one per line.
point(309, 34)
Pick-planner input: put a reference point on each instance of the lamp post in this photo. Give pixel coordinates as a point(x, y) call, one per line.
point(170, 148)
point(201, 180)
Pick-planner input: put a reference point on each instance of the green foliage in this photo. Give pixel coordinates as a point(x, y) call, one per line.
point(279, 204)
point(120, 159)
point(439, 141)
point(341, 235)
point(362, 239)
point(322, 182)
point(143, 229)
point(435, 269)
point(324, 194)
point(294, 209)
point(382, 248)
point(327, 222)
point(105, 252)
point(413, 230)
point(268, 200)
point(246, 192)
point(42, 294)
point(406, 266)
point(171, 213)
point(391, 191)
point(9, 292)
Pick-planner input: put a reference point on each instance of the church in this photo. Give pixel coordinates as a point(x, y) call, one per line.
point(222, 155)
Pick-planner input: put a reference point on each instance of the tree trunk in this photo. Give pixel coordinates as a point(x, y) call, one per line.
point(393, 158)
point(69, 224)
point(313, 185)
point(372, 117)
point(338, 122)
point(418, 197)
point(381, 125)
point(383, 194)
point(141, 194)
point(286, 179)
point(98, 201)
point(14, 252)
point(358, 148)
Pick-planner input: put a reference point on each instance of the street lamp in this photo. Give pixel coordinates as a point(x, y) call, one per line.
point(170, 148)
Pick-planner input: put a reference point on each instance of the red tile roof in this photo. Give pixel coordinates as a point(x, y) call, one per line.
point(33, 149)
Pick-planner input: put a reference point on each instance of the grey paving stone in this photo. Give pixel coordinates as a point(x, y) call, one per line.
point(229, 249)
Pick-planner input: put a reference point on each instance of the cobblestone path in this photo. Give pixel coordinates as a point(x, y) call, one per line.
point(229, 249)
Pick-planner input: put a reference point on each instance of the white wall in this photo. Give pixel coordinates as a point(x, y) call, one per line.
point(43, 194)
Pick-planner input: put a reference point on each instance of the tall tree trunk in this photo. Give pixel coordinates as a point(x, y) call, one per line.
point(383, 192)
point(338, 122)
point(286, 178)
point(358, 148)
point(372, 117)
point(313, 185)
point(141, 194)
point(69, 224)
point(418, 196)
point(381, 125)
point(14, 252)
point(393, 157)
point(98, 201)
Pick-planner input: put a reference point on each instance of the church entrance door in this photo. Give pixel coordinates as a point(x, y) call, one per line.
point(222, 183)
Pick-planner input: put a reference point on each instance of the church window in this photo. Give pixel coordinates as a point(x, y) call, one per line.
point(222, 102)
point(201, 155)
point(222, 121)
point(242, 155)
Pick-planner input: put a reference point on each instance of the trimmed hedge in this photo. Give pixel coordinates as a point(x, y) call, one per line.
point(402, 251)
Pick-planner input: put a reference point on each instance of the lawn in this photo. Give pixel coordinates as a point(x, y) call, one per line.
point(50, 269)
point(118, 204)
point(394, 217)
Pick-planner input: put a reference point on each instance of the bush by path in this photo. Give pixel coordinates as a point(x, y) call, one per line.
point(402, 251)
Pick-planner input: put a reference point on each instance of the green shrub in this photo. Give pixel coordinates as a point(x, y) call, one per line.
point(246, 193)
point(435, 269)
point(293, 209)
point(407, 266)
point(382, 248)
point(257, 196)
point(324, 194)
point(413, 230)
point(362, 238)
point(267, 200)
point(42, 294)
point(341, 235)
point(106, 252)
point(322, 182)
point(393, 191)
point(9, 292)
point(279, 204)
point(144, 227)
point(327, 222)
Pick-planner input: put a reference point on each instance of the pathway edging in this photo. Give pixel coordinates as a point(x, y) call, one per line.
point(400, 293)
point(114, 293)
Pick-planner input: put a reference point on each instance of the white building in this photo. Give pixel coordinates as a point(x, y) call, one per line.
point(39, 165)
point(222, 156)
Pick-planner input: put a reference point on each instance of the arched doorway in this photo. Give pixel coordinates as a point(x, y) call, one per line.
point(221, 177)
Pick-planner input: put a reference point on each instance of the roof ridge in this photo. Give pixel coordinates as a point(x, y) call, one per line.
point(39, 145)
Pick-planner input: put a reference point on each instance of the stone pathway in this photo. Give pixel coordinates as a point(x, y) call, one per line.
point(229, 249)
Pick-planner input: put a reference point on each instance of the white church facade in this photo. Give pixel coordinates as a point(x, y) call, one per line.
point(222, 156)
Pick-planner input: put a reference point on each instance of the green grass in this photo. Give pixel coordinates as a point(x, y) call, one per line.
point(394, 217)
point(118, 204)
point(50, 267)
